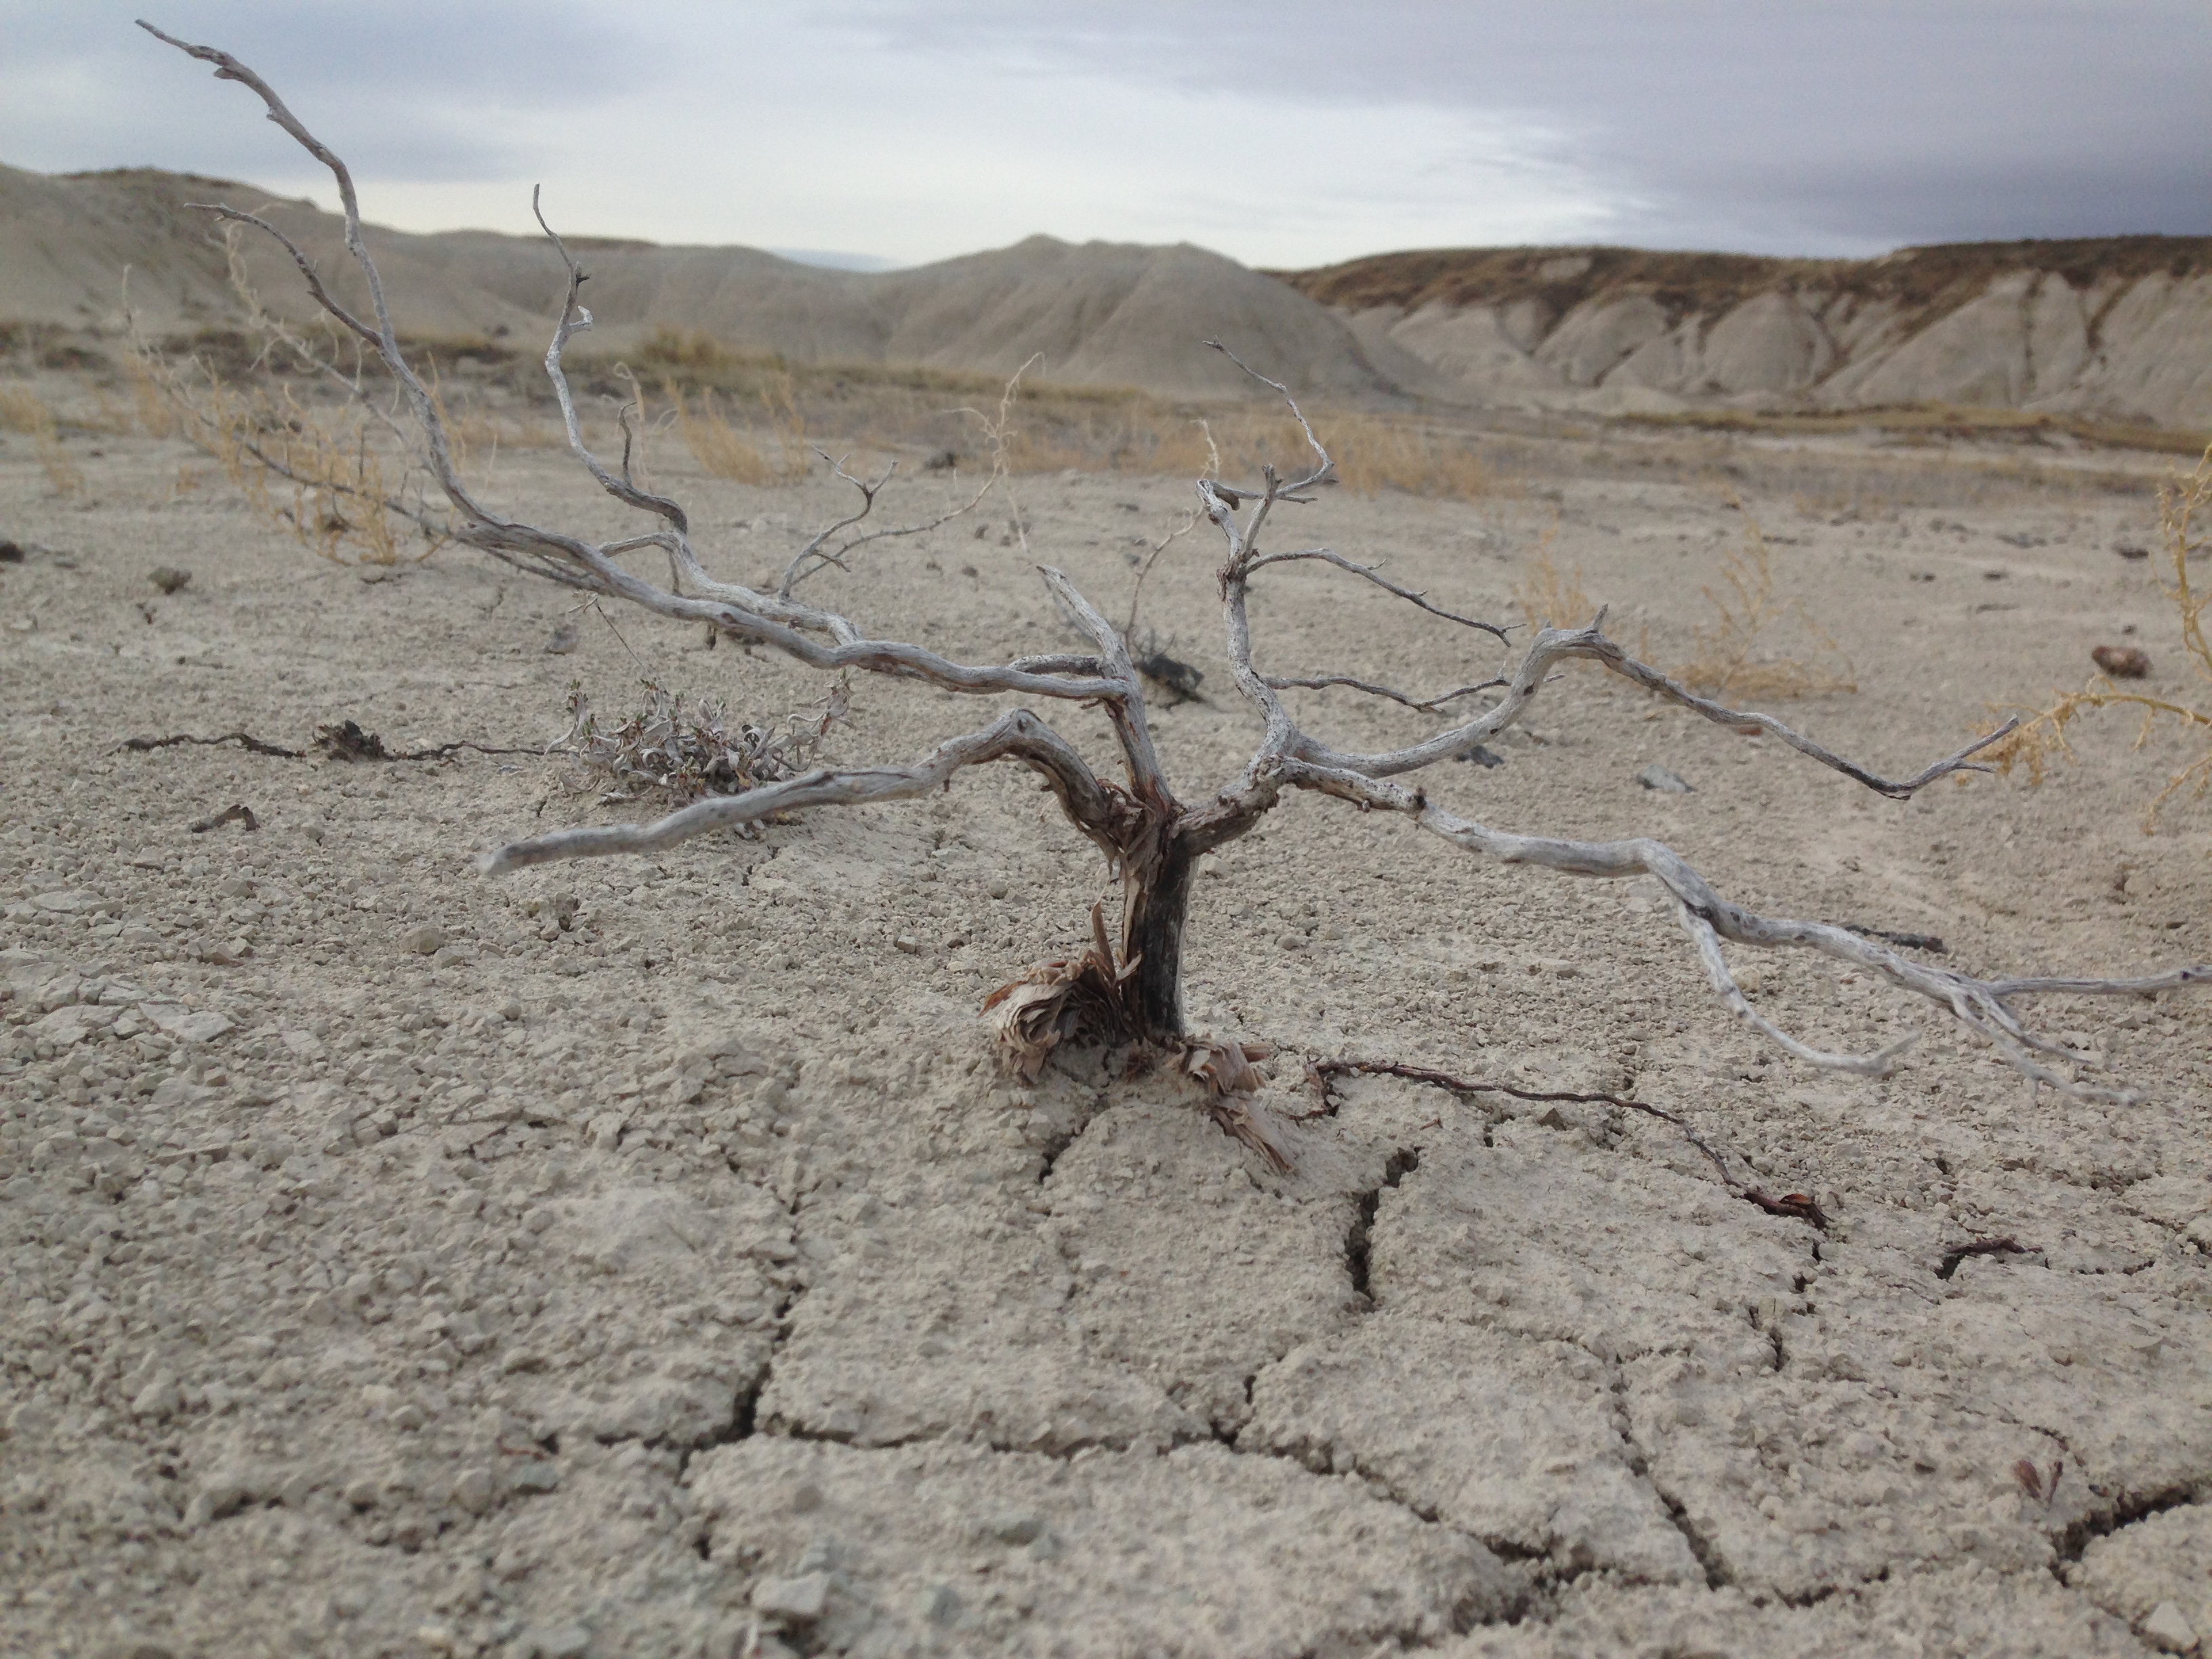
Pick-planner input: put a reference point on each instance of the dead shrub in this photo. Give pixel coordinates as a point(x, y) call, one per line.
point(671, 750)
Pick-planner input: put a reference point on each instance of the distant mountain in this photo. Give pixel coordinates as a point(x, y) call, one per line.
point(2118, 328)
point(1101, 314)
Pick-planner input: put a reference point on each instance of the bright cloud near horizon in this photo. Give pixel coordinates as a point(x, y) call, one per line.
point(1289, 134)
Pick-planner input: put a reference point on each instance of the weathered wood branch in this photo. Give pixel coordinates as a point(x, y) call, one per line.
point(1099, 810)
point(1981, 1005)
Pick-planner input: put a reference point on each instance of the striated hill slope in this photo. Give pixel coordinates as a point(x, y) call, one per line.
point(1101, 314)
point(2115, 328)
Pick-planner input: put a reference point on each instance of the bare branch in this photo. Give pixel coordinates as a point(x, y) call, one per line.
point(1978, 1005)
point(1369, 572)
point(1322, 682)
point(1098, 808)
point(1320, 472)
point(1137, 592)
point(1126, 711)
point(1551, 645)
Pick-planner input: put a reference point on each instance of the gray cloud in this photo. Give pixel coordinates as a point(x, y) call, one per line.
point(409, 89)
point(1791, 125)
point(1290, 132)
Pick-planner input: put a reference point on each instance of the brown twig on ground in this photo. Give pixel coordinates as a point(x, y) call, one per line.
point(237, 813)
point(244, 740)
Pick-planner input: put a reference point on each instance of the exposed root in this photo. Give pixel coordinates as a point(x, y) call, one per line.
point(1047, 1005)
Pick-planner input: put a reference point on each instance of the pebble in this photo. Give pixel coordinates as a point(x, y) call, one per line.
point(2121, 662)
point(534, 1478)
point(159, 1398)
point(800, 1601)
point(2167, 1629)
point(472, 1490)
point(1667, 782)
point(425, 940)
point(1014, 1527)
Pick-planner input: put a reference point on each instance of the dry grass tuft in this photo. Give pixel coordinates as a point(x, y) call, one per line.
point(344, 476)
point(2041, 739)
point(776, 453)
point(1549, 597)
point(1735, 649)
point(26, 412)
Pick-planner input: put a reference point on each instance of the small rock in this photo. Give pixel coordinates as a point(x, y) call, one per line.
point(2121, 662)
point(510, 1009)
point(2167, 1630)
point(361, 1494)
point(2128, 550)
point(534, 1478)
point(168, 578)
point(560, 1642)
point(799, 1601)
point(184, 1025)
point(10, 552)
point(222, 1495)
point(425, 940)
point(159, 1398)
point(472, 1490)
point(907, 943)
point(1013, 1526)
point(1667, 782)
point(939, 1604)
point(564, 640)
point(1292, 941)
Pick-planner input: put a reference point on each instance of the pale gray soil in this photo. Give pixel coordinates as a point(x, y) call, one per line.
point(621, 1290)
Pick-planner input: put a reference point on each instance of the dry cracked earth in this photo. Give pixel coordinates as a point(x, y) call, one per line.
point(646, 1257)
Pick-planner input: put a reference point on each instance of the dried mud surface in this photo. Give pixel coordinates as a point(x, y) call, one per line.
point(687, 1274)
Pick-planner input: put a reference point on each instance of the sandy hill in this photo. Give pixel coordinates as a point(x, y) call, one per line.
point(1101, 314)
point(2116, 327)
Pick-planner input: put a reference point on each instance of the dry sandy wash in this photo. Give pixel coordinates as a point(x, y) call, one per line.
point(386, 1268)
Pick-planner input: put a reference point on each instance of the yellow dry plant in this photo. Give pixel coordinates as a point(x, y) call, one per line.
point(725, 452)
point(1735, 650)
point(323, 477)
point(2041, 737)
point(26, 412)
point(1548, 596)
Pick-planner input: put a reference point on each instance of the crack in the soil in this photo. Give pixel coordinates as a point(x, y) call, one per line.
point(1359, 1238)
point(1719, 1574)
point(1954, 1255)
point(2126, 1509)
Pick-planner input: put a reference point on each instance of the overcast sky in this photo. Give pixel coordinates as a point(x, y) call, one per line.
point(1286, 134)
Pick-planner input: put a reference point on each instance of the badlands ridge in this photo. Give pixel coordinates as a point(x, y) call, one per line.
point(2117, 329)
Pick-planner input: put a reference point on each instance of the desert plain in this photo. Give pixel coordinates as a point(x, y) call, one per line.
point(650, 1257)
